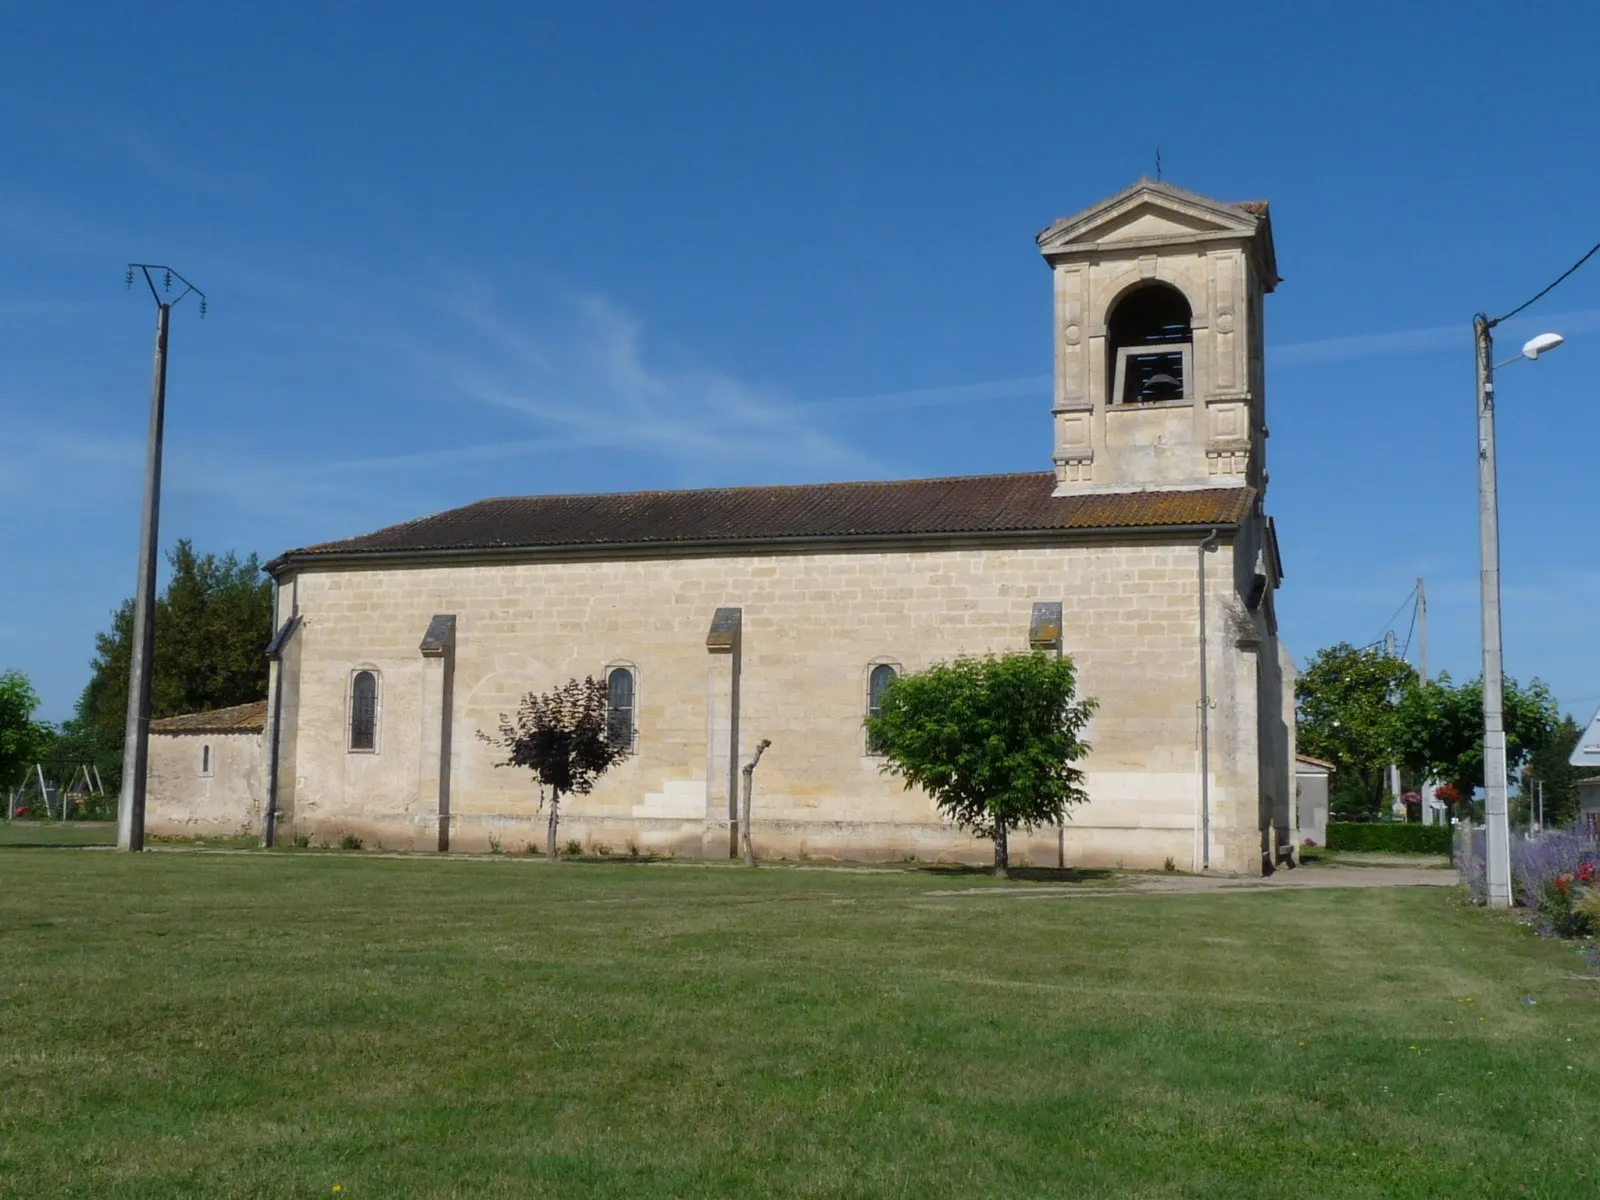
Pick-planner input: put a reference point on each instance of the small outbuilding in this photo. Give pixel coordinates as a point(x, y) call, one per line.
point(207, 777)
point(1311, 780)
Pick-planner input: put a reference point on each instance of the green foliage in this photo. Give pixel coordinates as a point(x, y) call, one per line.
point(574, 848)
point(213, 622)
point(23, 741)
point(993, 740)
point(1387, 837)
point(1442, 728)
point(1566, 907)
point(1348, 704)
point(350, 842)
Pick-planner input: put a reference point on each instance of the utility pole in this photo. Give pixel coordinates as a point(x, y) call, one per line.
point(1397, 806)
point(1428, 801)
point(136, 731)
point(1497, 826)
point(1422, 631)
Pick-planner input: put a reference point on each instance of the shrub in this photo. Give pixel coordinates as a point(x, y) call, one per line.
point(633, 848)
point(1537, 861)
point(302, 841)
point(574, 848)
point(350, 842)
point(602, 849)
point(1386, 837)
point(1564, 903)
point(494, 843)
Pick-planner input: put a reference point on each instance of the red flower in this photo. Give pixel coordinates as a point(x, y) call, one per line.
point(1562, 883)
point(1446, 793)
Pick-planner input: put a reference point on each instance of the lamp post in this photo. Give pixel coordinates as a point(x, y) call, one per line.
point(1497, 824)
point(136, 730)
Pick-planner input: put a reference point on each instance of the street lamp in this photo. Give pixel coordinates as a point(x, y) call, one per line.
point(1497, 824)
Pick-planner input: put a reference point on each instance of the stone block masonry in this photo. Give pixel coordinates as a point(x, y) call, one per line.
point(810, 629)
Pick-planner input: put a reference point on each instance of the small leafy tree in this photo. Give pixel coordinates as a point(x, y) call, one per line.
point(1442, 728)
point(561, 737)
point(993, 740)
point(1348, 702)
point(22, 739)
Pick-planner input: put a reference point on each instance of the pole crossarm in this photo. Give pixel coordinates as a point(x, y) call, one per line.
point(167, 276)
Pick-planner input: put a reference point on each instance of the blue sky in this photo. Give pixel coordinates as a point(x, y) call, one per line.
point(466, 250)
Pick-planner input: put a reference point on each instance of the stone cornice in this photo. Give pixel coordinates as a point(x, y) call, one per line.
point(292, 562)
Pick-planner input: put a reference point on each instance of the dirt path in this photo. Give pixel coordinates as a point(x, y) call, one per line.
point(1174, 885)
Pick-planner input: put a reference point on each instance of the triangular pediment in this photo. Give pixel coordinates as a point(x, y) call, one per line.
point(1149, 212)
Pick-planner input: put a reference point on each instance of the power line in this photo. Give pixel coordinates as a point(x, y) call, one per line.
point(1541, 295)
point(1389, 624)
point(1406, 653)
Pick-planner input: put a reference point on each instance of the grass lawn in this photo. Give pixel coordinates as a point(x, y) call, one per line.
point(198, 1024)
point(57, 833)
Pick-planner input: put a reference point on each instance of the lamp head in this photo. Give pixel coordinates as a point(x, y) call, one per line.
point(1536, 346)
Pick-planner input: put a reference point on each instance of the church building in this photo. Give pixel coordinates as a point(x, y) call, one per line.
point(725, 616)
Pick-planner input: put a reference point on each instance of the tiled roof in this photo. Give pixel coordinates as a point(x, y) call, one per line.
point(966, 505)
point(1314, 762)
point(1257, 207)
point(241, 718)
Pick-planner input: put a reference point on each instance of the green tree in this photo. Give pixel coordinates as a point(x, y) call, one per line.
point(213, 623)
point(993, 740)
point(1348, 704)
point(23, 741)
point(561, 737)
point(1443, 728)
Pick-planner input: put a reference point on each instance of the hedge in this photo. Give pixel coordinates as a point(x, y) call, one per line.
point(1389, 837)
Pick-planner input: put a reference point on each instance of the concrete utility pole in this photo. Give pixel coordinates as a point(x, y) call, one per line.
point(136, 731)
point(1422, 631)
point(1498, 828)
point(1396, 805)
point(1428, 815)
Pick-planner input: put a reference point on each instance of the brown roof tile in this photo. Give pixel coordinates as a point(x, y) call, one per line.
point(965, 505)
point(241, 718)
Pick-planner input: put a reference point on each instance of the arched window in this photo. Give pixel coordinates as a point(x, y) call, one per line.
point(619, 707)
point(205, 759)
point(364, 711)
point(877, 683)
point(1149, 346)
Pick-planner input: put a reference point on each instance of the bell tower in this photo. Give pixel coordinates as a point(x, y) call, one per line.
point(1158, 331)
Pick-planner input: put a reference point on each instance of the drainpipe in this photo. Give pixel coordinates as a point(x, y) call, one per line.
point(1209, 543)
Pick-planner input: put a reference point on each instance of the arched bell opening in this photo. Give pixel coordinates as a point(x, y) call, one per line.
point(1150, 346)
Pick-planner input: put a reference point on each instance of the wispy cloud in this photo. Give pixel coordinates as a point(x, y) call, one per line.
point(591, 377)
point(1424, 340)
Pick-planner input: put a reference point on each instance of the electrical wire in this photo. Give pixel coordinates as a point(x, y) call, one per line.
point(1389, 624)
point(1541, 295)
point(1405, 654)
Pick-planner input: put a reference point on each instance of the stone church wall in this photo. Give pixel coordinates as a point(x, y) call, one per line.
point(813, 627)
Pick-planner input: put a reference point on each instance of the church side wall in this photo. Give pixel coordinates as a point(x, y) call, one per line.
point(181, 802)
point(813, 626)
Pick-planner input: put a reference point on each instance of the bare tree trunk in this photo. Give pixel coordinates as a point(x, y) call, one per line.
point(550, 829)
point(1002, 853)
point(744, 803)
